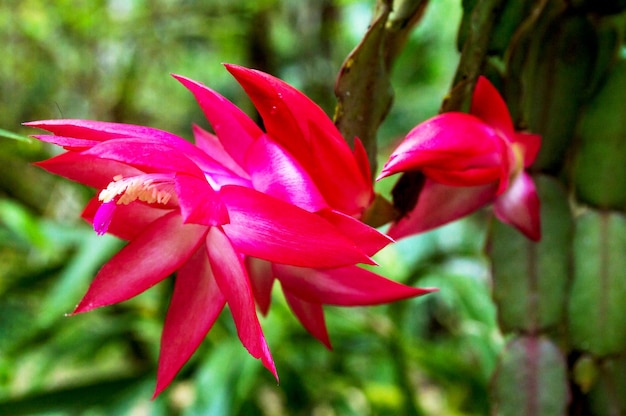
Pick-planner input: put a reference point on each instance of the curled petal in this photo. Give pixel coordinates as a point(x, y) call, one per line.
point(345, 286)
point(489, 106)
point(232, 280)
point(311, 316)
point(439, 204)
point(149, 258)
point(519, 206)
point(268, 228)
point(196, 303)
point(199, 202)
point(454, 149)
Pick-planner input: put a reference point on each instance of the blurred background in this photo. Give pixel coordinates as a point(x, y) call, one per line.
point(110, 61)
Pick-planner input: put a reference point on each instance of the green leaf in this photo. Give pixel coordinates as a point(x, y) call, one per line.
point(14, 136)
point(93, 252)
point(72, 400)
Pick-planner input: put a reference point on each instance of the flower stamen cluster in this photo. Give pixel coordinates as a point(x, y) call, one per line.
point(157, 189)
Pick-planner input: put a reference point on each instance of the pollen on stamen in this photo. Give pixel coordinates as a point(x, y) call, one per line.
point(146, 188)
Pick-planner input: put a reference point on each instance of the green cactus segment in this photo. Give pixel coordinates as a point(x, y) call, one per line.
point(530, 279)
point(363, 88)
point(513, 13)
point(600, 164)
point(531, 379)
point(597, 308)
point(608, 395)
point(555, 75)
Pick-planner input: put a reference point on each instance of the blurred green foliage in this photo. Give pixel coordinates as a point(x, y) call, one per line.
point(110, 60)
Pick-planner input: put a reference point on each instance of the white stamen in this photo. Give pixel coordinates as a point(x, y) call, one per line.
point(149, 188)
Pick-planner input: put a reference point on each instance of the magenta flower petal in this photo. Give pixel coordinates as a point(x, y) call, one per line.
point(129, 220)
point(345, 286)
point(69, 143)
point(146, 155)
point(232, 280)
point(211, 145)
point(368, 239)
point(301, 127)
point(362, 161)
point(530, 144)
point(519, 206)
point(100, 131)
point(261, 280)
point(276, 173)
point(337, 174)
point(286, 112)
point(311, 316)
point(234, 128)
point(199, 203)
point(79, 133)
point(153, 255)
point(489, 106)
point(454, 149)
point(439, 204)
point(268, 228)
point(196, 303)
point(89, 170)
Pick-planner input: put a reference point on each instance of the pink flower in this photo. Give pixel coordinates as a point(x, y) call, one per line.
point(469, 160)
point(214, 211)
point(326, 177)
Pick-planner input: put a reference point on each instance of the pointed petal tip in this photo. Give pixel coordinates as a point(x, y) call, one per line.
point(383, 174)
point(234, 67)
point(185, 80)
point(160, 386)
point(83, 307)
point(38, 124)
point(533, 234)
point(274, 372)
point(520, 207)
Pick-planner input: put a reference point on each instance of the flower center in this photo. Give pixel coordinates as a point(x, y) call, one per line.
point(149, 188)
